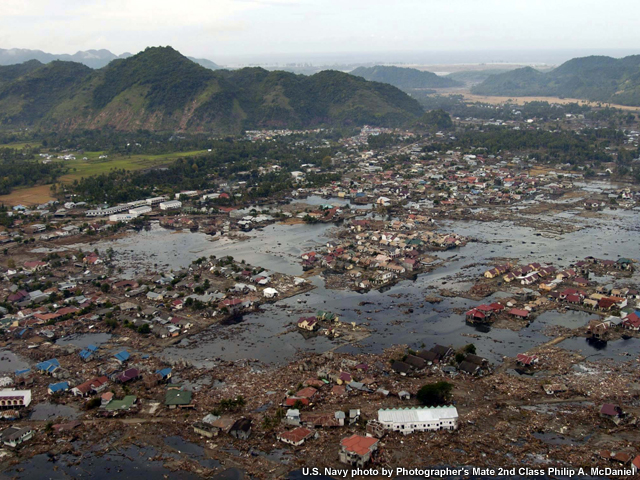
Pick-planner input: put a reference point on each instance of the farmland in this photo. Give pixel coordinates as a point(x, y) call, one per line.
point(94, 165)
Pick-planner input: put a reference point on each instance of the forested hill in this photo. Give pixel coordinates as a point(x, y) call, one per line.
point(90, 58)
point(404, 78)
point(160, 89)
point(596, 78)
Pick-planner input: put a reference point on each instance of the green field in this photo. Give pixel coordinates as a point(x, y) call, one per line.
point(19, 144)
point(95, 166)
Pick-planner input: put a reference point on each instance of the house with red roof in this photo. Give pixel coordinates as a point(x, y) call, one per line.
point(357, 450)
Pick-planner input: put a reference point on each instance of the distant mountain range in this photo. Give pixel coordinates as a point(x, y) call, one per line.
point(160, 89)
point(404, 78)
point(595, 78)
point(90, 58)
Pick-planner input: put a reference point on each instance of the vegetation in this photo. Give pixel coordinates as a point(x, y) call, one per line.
point(160, 89)
point(404, 78)
point(20, 168)
point(434, 394)
point(596, 78)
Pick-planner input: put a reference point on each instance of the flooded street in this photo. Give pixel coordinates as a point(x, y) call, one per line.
point(268, 335)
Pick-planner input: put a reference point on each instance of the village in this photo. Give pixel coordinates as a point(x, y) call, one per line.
point(89, 333)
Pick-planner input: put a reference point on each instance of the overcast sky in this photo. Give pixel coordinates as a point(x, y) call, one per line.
point(227, 28)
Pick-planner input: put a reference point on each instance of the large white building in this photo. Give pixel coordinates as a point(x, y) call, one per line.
point(121, 217)
point(12, 399)
point(419, 419)
point(155, 200)
point(171, 205)
point(136, 212)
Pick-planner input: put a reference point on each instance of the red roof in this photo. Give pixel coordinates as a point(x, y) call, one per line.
point(290, 402)
point(527, 359)
point(297, 435)
point(307, 392)
point(518, 312)
point(358, 444)
point(475, 313)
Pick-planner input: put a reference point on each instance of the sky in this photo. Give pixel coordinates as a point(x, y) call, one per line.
point(233, 29)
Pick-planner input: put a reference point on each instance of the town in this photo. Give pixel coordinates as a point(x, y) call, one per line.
point(391, 295)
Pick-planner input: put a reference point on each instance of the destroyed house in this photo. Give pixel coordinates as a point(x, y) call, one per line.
point(400, 367)
point(90, 386)
point(415, 361)
point(241, 429)
point(48, 367)
point(469, 368)
point(89, 352)
point(296, 436)
point(14, 436)
point(357, 450)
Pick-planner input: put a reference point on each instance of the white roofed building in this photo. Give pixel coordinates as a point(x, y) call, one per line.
point(171, 204)
point(419, 419)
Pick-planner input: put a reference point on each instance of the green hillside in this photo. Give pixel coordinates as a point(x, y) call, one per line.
point(404, 78)
point(160, 89)
point(596, 78)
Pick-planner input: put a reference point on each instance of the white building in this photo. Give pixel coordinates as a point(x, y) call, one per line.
point(187, 193)
point(155, 200)
point(121, 217)
point(409, 420)
point(136, 212)
point(171, 205)
point(13, 399)
point(270, 292)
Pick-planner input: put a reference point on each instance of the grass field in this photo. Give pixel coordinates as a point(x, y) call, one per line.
point(94, 165)
point(19, 144)
point(522, 100)
point(28, 196)
point(91, 166)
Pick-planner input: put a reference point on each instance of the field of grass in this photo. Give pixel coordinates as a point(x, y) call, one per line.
point(522, 100)
point(93, 165)
point(28, 196)
point(19, 144)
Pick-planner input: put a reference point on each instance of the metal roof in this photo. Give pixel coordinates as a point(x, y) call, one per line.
point(417, 414)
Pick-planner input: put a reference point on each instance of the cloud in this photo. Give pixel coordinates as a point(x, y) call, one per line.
point(239, 27)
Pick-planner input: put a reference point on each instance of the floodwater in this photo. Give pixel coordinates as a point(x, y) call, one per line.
point(269, 335)
point(85, 339)
point(10, 362)
point(51, 411)
point(131, 463)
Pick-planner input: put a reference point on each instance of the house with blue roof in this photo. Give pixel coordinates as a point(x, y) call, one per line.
point(165, 373)
point(88, 353)
point(59, 387)
point(122, 356)
point(20, 373)
point(48, 367)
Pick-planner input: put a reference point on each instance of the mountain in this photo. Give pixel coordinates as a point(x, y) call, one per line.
point(404, 78)
point(596, 78)
point(160, 89)
point(473, 77)
point(90, 58)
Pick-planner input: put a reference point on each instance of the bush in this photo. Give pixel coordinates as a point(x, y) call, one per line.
point(471, 348)
point(434, 394)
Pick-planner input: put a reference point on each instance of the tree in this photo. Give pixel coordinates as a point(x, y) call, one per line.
point(470, 348)
point(433, 394)
point(11, 263)
point(144, 329)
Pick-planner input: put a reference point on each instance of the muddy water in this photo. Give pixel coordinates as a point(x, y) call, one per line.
point(270, 336)
point(84, 340)
point(130, 463)
point(10, 362)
